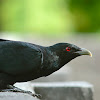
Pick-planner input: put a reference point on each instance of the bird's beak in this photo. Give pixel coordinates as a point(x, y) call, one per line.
point(84, 51)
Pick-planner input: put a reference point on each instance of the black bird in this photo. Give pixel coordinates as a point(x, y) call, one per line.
point(22, 61)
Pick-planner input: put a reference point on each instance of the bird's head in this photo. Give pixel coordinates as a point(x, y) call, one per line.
point(66, 52)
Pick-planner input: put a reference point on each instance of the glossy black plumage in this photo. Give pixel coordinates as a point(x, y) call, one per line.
point(21, 61)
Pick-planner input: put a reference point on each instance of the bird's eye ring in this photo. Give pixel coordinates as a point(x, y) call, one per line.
point(68, 48)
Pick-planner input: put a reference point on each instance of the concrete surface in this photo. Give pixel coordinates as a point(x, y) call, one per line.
point(64, 91)
point(15, 96)
point(54, 91)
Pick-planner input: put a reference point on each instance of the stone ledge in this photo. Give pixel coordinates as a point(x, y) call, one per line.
point(55, 91)
point(15, 96)
point(64, 91)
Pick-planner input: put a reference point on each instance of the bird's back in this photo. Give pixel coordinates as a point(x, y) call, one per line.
point(19, 58)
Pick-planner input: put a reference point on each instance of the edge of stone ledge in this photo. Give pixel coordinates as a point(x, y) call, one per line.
point(61, 84)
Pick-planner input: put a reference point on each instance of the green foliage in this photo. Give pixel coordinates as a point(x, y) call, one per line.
point(50, 16)
point(34, 16)
point(86, 15)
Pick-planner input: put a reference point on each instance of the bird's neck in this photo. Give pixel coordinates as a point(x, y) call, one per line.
point(51, 61)
point(55, 58)
point(62, 59)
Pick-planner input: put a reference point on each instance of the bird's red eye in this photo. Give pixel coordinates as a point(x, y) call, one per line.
point(68, 49)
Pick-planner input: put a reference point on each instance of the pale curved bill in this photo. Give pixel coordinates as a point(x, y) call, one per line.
point(84, 51)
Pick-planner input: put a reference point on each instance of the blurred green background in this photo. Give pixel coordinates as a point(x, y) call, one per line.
point(50, 16)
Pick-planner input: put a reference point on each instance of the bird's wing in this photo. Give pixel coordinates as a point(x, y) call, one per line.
point(19, 57)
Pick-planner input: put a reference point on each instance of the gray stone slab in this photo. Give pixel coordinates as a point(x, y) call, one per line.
point(64, 91)
point(15, 96)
